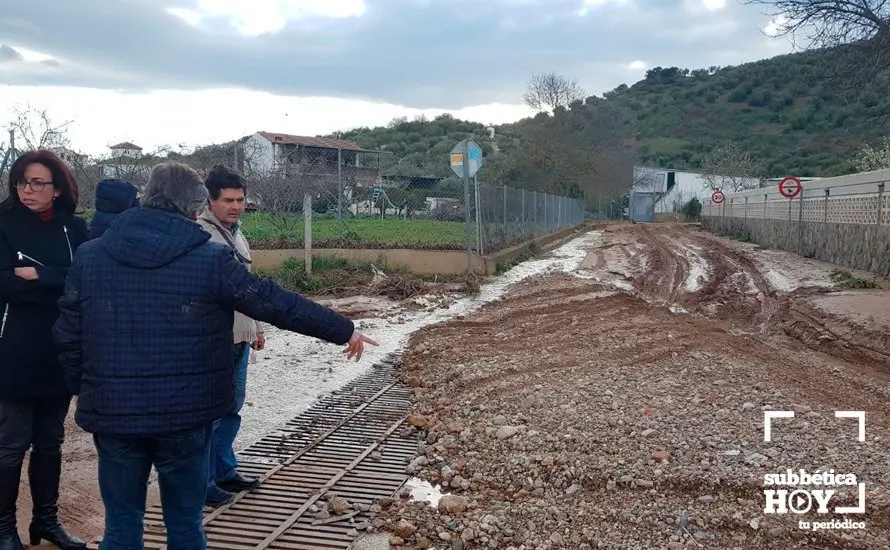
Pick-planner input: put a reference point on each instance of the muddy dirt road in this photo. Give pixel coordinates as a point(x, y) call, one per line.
point(620, 405)
point(617, 401)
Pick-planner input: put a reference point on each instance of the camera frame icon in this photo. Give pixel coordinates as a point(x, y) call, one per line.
point(769, 416)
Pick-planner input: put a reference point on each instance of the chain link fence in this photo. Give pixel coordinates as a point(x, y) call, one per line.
point(844, 220)
point(369, 199)
point(507, 216)
point(354, 198)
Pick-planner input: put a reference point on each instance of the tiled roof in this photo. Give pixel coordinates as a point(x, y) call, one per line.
point(126, 145)
point(324, 143)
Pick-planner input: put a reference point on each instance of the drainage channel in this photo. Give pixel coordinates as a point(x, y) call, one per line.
point(352, 444)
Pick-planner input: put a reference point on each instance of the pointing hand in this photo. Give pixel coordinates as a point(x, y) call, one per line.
point(356, 345)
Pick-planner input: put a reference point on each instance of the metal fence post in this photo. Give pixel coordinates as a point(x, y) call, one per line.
point(545, 213)
point(731, 210)
point(340, 193)
point(880, 200)
point(479, 245)
point(505, 210)
point(466, 178)
point(523, 212)
point(800, 223)
point(307, 231)
point(825, 206)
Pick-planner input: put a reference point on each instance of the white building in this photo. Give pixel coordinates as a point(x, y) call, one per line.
point(126, 149)
point(126, 162)
point(270, 152)
point(674, 188)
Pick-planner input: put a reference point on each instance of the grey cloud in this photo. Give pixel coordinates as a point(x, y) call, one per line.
point(434, 54)
point(9, 54)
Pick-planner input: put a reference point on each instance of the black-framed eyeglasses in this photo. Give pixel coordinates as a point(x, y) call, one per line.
point(35, 185)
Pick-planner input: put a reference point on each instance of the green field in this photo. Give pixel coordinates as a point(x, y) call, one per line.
point(266, 231)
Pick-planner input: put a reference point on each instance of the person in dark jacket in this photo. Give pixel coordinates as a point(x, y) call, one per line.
point(113, 196)
point(145, 337)
point(39, 235)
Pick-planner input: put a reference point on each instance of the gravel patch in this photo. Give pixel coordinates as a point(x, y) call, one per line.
point(572, 415)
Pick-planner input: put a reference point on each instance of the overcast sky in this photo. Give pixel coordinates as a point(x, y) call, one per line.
point(193, 71)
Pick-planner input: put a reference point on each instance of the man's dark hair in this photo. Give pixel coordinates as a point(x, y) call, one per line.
point(222, 177)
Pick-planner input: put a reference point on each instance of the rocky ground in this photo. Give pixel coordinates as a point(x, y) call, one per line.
point(616, 405)
point(621, 405)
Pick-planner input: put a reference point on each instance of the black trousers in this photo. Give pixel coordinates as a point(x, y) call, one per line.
point(36, 424)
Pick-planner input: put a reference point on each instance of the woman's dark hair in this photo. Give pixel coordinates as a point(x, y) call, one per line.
point(221, 177)
point(63, 179)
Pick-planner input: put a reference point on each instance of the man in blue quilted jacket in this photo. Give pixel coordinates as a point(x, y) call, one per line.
point(145, 337)
point(113, 196)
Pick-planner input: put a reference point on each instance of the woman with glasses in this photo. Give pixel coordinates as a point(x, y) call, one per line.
point(39, 235)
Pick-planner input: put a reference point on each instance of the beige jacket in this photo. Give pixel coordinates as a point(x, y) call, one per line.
point(245, 329)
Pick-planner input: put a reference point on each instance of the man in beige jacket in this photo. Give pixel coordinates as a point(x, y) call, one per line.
point(226, 203)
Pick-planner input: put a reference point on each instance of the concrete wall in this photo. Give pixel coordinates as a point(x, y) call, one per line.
point(863, 247)
point(843, 220)
point(420, 262)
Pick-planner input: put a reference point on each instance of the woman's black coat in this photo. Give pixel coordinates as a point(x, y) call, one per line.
point(29, 364)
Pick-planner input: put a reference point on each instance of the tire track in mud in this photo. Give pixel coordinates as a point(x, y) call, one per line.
point(667, 273)
point(738, 295)
point(577, 378)
point(720, 293)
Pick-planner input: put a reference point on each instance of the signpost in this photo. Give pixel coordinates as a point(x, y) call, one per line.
point(466, 160)
point(790, 187)
point(717, 197)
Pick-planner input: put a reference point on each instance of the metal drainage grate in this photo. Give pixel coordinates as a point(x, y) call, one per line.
point(348, 444)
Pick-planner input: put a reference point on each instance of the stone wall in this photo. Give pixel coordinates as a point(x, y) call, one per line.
point(857, 246)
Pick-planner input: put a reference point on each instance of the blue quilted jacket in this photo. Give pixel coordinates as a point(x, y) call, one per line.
point(145, 331)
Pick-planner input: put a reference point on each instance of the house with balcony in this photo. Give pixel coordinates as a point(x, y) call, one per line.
point(323, 160)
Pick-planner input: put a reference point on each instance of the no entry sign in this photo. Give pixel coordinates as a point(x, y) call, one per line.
point(790, 187)
point(717, 197)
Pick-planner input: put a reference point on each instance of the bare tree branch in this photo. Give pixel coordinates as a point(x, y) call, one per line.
point(31, 129)
point(34, 129)
point(132, 168)
point(205, 157)
point(644, 178)
point(730, 168)
point(860, 27)
point(547, 91)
